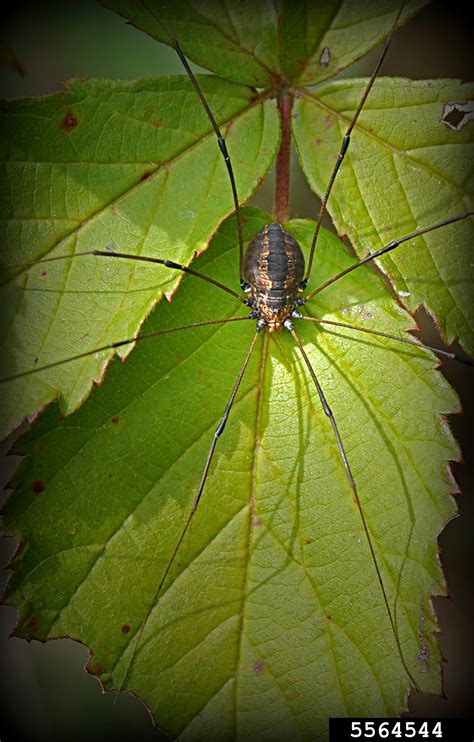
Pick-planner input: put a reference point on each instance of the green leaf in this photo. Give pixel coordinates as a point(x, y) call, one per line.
point(258, 43)
point(271, 618)
point(132, 165)
point(238, 41)
point(405, 169)
point(318, 41)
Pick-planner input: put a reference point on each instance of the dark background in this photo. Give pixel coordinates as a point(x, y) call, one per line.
point(45, 693)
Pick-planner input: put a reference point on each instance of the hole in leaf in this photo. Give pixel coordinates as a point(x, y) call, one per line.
point(457, 115)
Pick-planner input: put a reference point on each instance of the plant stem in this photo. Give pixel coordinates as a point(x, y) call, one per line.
point(282, 187)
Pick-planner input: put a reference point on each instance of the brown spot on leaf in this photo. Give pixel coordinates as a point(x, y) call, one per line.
point(346, 240)
point(329, 617)
point(258, 667)
point(325, 57)
point(328, 121)
point(44, 273)
point(69, 122)
point(33, 624)
point(38, 486)
point(144, 176)
point(125, 628)
point(115, 420)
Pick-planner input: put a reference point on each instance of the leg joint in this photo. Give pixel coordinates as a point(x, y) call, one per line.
point(345, 145)
point(223, 147)
point(220, 427)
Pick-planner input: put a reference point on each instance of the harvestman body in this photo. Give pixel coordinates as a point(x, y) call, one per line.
point(274, 268)
point(273, 278)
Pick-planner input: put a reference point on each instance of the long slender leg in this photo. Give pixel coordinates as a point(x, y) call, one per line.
point(119, 343)
point(125, 256)
point(216, 436)
point(391, 246)
point(415, 343)
point(352, 483)
point(345, 145)
point(220, 138)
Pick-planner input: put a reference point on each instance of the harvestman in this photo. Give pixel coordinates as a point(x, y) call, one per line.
point(273, 278)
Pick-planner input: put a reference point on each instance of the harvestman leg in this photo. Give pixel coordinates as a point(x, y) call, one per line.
point(218, 432)
point(329, 414)
point(119, 343)
point(345, 145)
point(217, 131)
point(415, 343)
point(168, 264)
point(391, 246)
point(228, 163)
point(139, 258)
point(388, 248)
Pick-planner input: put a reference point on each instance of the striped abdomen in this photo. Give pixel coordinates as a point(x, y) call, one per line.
point(274, 269)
